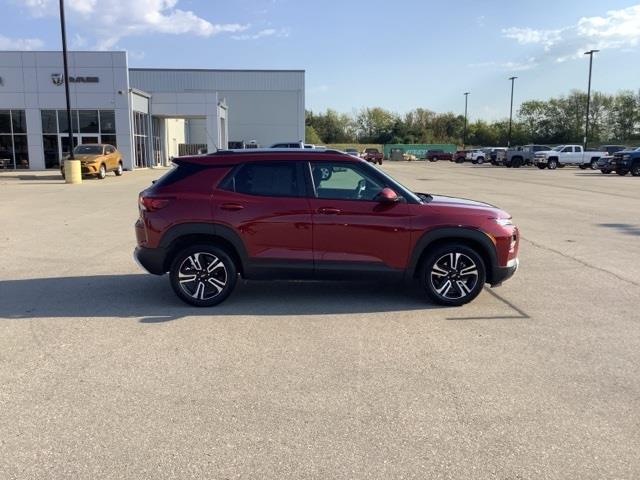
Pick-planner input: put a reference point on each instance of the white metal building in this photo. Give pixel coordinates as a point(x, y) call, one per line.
point(149, 114)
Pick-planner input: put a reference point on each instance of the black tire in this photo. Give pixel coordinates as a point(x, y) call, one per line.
point(622, 173)
point(119, 169)
point(208, 285)
point(606, 172)
point(594, 164)
point(582, 167)
point(102, 172)
point(442, 274)
point(552, 164)
point(480, 160)
point(542, 166)
point(635, 169)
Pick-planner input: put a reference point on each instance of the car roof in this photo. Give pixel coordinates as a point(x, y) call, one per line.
point(234, 157)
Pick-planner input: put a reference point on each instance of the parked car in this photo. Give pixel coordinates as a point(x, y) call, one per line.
point(96, 159)
point(459, 156)
point(611, 149)
point(606, 164)
point(435, 155)
point(373, 155)
point(520, 156)
point(563, 155)
point(477, 156)
point(352, 151)
point(308, 214)
point(627, 161)
point(492, 154)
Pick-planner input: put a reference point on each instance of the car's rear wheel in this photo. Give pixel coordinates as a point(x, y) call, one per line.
point(594, 164)
point(582, 167)
point(203, 275)
point(102, 172)
point(453, 275)
point(118, 171)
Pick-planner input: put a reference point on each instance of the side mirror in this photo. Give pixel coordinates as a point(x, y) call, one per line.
point(387, 195)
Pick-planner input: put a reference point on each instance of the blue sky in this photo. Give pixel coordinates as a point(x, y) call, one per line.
point(397, 55)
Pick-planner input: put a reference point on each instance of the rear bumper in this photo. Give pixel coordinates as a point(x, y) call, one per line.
point(501, 274)
point(151, 259)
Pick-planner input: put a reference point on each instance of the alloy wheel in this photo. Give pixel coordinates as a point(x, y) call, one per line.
point(202, 276)
point(454, 276)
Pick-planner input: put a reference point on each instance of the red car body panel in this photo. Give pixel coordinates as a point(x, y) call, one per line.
point(361, 231)
point(271, 228)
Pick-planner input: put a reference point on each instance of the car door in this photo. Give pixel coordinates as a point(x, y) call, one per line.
point(265, 204)
point(352, 231)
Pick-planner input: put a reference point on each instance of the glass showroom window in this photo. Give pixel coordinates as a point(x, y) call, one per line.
point(93, 124)
point(141, 138)
point(14, 151)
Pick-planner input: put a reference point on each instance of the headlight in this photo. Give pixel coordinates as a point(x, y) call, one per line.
point(626, 157)
point(503, 221)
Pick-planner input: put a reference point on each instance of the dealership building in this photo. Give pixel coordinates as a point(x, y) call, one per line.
point(149, 114)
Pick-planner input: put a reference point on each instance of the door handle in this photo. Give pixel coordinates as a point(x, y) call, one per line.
point(329, 211)
point(233, 207)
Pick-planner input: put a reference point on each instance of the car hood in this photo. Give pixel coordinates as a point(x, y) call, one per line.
point(87, 157)
point(466, 206)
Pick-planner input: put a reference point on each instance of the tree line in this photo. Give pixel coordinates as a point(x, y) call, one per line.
point(612, 119)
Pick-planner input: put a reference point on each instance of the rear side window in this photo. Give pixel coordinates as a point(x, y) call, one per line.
point(177, 173)
point(271, 179)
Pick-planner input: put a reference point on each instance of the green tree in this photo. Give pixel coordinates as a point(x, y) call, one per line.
point(311, 136)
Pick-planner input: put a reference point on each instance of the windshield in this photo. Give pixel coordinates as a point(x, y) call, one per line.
point(88, 149)
point(558, 148)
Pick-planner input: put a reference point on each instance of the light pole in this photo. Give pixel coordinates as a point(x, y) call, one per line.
point(586, 126)
point(464, 135)
point(71, 166)
point(511, 112)
point(63, 29)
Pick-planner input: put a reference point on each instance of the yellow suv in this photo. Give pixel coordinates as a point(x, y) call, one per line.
point(97, 159)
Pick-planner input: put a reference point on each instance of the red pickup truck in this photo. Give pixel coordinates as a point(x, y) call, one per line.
point(435, 155)
point(373, 155)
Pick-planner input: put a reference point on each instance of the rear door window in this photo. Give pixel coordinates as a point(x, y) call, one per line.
point(270, 179)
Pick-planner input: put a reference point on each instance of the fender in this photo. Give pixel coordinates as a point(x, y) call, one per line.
point(463, 233)
point(203, 228)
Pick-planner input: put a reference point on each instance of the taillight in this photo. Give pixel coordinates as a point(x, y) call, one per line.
point(150, 204)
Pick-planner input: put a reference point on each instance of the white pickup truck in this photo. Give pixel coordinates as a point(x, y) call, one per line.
point(567, 155)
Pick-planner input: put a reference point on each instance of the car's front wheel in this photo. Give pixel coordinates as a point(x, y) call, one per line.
point(453, 275)
point(635, 169)
point(203, 275)
point(552, 164)
point(102, 172)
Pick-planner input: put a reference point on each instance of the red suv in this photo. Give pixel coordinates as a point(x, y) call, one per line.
point(304, 214)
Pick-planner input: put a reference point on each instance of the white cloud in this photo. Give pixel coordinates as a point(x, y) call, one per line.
point(524, 36)
point(7, 43)
point(508, 66)
point(267, 32)
point(110, 20)
point(617, 29)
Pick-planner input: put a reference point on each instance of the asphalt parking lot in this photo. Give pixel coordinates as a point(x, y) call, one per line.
point(105, 374)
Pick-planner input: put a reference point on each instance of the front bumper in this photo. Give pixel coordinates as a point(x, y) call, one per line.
point(502, 274)
point(151, 259)
point(540, 160)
